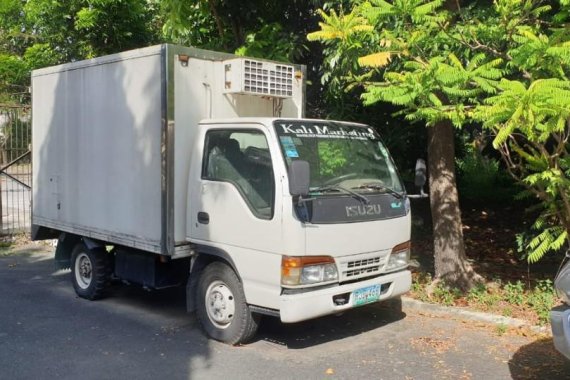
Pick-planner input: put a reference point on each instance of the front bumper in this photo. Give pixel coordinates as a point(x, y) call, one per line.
point(313, 304)
point(560, 322)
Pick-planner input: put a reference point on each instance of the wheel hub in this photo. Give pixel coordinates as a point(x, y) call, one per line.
point(220, 304)
point(83, 270)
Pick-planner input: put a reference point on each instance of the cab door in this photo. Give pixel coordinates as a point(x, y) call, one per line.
point(235, 208)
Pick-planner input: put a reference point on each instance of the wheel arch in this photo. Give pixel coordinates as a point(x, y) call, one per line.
point(205, 256)
point(66, 242)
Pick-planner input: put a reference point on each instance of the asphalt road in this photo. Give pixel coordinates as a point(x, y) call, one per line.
point(46, 332)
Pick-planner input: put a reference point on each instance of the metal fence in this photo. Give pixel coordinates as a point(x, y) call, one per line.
point(15, 169)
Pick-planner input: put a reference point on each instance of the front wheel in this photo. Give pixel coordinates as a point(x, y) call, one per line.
point(221, 306)
point(90, 271)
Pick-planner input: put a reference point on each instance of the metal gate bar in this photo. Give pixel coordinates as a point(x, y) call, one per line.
point(15, 169)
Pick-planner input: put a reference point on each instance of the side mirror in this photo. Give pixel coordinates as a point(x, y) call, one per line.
point(421, 178)
point(299, 178)
point(421, 173)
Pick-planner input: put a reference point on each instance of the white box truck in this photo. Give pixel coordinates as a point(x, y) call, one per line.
point(169, 166)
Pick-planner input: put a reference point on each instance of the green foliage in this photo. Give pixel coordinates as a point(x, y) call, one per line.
point(79, 29)
point(445, 295)
point(546, 236)
point(259, 28)
point(272, 42)
point(339, 26)
point(192, 23)
point(41, 55)
point(514, 293)
point(332, 158)
point(480, 294)
point(39, 33)
point(13, 78)
point(501, 329)
point(503, 66)
point(13, 37)
point(530, 122)
point(12, 70)
point(511, 299)
point(542, 299)
point(536, 110)
point(481, 179)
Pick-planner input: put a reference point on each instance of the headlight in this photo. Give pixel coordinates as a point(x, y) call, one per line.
point(307, 270)
point(562, 284)
point(399, 258)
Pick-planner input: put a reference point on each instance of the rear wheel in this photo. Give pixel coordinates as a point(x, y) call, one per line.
point(221, 306)
point(90, 271)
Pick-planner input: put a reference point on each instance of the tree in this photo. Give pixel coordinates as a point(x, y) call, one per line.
point(446, 65)
point(39, 33)
point(530, 113)
point(78, 29)
point(257, 27)
point(419, 73)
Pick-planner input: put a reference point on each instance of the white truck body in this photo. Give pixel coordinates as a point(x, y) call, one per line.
point(119, 159)
point(137, 112)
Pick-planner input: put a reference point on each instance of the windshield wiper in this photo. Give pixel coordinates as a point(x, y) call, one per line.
point(377, 186)
point(324, 189)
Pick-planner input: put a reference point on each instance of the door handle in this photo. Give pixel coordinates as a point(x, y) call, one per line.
point(203, 217)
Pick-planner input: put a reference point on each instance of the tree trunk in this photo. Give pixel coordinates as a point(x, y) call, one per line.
point(219, 24)
point(451, 263)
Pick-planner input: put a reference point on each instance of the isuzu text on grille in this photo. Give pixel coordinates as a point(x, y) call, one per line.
point(352, 211)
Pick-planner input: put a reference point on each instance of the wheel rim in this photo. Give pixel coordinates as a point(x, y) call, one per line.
point(83, 270)
point(220, 304)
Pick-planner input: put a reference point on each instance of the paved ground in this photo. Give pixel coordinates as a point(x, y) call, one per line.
point(47, 332)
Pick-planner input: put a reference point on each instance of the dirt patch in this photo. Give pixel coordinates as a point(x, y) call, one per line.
point(438, 345)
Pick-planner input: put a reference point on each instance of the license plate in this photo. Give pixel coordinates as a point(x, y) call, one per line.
point(366, 295)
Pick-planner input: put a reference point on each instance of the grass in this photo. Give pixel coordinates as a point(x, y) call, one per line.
point(510, 299)
point(6, 247)
point(501, 329)
point(10, 245)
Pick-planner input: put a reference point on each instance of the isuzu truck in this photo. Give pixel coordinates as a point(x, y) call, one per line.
point(174, 166)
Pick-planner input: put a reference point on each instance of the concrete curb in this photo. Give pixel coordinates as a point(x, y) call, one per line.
point(465, 314)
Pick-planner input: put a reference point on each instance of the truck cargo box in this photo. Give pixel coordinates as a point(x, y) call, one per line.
point(112, 136)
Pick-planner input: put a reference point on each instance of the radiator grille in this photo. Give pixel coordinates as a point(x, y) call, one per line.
point(366, 265)
point(360, 263)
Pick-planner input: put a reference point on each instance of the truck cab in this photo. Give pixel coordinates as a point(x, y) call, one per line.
point(340, 240)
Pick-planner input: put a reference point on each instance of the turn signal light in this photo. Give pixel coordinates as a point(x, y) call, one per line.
point(306, 270)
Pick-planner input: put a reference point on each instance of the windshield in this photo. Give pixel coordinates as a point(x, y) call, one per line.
point(342, 157)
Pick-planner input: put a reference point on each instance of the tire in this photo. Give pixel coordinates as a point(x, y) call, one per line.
point(221, 307)
point(90, 272)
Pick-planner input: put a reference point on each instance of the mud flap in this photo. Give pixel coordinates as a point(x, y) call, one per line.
point(65, 244)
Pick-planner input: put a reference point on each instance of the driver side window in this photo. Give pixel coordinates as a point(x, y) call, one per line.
point(242, 158)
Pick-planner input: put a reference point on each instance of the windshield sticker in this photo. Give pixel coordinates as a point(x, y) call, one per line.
point(396, 204)
point(292, 153)
point(327, 131)
point(297, 141)
point(289, 146)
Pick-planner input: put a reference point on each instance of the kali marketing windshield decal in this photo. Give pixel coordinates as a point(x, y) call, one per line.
point(329, 131)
